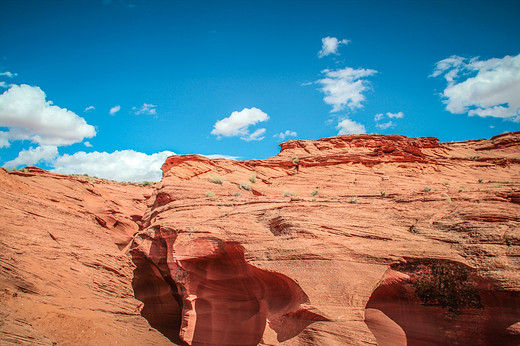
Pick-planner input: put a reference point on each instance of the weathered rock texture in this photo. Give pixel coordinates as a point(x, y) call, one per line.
point(347, 240)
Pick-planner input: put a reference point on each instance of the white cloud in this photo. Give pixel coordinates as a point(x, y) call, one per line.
point(258, 135)
point(123, 165)
point(4, 139)
point(350, 127)
point(385, 126)
point(237, 124)
point(329, 45)
point(24, 110)
point(4, 85)
point(287, 133)
point(8, 74)
point(380, 116)
point(345, 87)
point(32, 156)
point(398, 115)
point(89, 108)
point(87, 144)
point(146, 108)
point(481, 87)
point(219, 156)
point(115, 109)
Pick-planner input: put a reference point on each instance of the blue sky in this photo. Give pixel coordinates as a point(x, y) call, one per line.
point(235, 78)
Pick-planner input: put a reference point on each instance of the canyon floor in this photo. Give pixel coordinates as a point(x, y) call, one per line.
point(350, 240)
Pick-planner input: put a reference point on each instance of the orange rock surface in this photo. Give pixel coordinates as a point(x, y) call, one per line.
point(363, 239)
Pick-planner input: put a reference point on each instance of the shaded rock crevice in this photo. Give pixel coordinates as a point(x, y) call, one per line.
point(203, 292)
point(435, 301)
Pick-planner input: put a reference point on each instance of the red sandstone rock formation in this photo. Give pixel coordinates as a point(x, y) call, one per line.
point(346, 240)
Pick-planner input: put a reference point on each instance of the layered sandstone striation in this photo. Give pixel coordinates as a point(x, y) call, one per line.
point(361, 239)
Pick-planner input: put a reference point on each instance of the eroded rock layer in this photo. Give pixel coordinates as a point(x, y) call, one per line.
point(343, 220)
point(340, 241)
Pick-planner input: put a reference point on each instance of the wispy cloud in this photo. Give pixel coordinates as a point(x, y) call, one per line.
point(27, 114)
point(8, 74)
point(89, 108)
point(329, 45)
point(114, 110)
point(486, 88)
point(283, 135)
point(238, 123)
point(390, 124)
point(146, 108)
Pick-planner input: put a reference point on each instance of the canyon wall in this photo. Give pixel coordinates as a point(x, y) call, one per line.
point(361, 239)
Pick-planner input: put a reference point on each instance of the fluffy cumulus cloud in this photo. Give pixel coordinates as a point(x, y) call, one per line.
point(146, 108)
point(481, 87)
point(283, 135)
point(329, 45)
point(33, 156)
point(115, 109)
point(345, 88)
point(123, 165)
point(238, 123)
point(28, 116)
point(350, 127)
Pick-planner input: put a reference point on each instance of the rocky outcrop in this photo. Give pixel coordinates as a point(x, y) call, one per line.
point(345, 240)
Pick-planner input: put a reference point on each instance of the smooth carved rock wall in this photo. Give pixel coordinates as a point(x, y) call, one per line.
point(332, 222)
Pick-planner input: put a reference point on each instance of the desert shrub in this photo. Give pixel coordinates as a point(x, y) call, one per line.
point(210, 194)
point(237, 194)
point(427, 189)
point(25, 170)
point(146, 183)
point(448, 199)
point(216, 180)
point(383, 193)
point(448, 285)
point(252, 179)
point(244, 187)
point(286, 193)
point(315, 192)
point(354, 200)
point(296, 160)
point(446, 183)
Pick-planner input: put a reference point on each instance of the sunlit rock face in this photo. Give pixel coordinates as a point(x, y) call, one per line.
point(340, 241)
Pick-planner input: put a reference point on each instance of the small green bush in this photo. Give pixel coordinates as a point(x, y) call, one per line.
point(146, 183)
point(295, 160)
point(383, 193)
point(448, 199)
point(354, 200)
point(244, 187)
point(210, 194)
point(216, 180)
point(427, 189)
point(237, 194)
point(286, 193)
point(315, 192)
point(252, 179)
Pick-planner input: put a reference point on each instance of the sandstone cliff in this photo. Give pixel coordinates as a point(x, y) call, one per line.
point(346, 240)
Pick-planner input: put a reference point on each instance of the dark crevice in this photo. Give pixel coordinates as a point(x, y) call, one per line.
point(162, 305)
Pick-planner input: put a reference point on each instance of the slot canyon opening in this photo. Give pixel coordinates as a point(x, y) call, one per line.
point(441, 302)
point(218, 298)
point(162, 305)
